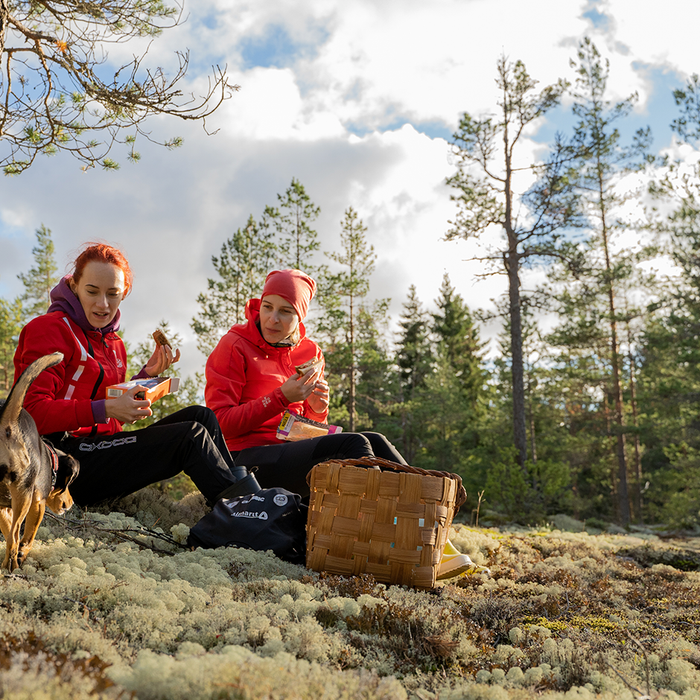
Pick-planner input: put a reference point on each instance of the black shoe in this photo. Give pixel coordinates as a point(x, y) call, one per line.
point(247, 485)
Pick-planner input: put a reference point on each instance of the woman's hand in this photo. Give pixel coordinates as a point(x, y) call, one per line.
point(298, 388)
point(320, 396)
point(161, 359)
point(127, 408)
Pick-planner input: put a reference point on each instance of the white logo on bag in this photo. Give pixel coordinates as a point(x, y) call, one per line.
point(105, 444)
point(280, 499)
point(249, 514)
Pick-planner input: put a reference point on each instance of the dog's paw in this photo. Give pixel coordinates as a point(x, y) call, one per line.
point(22, 555)
point(9, 564)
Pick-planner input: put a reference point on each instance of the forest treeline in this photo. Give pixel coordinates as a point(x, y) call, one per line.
point(589, 404)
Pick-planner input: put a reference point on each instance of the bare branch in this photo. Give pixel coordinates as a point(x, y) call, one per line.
point(55, 92)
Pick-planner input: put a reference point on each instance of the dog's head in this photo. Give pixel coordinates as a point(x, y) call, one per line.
point(60, 500)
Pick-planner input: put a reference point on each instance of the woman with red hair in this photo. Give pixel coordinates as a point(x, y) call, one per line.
point(68, 402)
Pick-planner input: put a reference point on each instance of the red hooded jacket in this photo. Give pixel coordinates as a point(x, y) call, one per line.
point(244, 378)
point(61, 397)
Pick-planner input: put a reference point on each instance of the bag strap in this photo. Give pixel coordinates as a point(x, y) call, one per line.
point(385, 464)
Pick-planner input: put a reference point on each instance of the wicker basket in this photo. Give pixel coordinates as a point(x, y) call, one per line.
point(371, 516)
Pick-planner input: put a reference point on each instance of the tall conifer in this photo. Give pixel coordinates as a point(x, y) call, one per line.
point(458, 338)
point(41, 278)
point(241, 267)
point(414, 359)
point(489, 203)
point(601, 161)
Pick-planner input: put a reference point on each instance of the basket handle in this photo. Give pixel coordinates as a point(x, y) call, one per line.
point(379, 463)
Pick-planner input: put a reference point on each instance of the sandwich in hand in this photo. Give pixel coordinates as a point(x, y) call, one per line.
point(161, 338)
point(313, 364)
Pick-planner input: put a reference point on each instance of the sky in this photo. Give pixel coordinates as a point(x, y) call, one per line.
point(358, 101)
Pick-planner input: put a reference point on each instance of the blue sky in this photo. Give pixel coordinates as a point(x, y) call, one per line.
point(357, 101)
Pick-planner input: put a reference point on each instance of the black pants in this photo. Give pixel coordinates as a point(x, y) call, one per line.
point(112, 466)
point(288, 463)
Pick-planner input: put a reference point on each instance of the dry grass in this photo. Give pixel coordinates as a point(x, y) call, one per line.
point(564, 615)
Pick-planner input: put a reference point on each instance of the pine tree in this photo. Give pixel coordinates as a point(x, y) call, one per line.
point(60, 93)
point(341, 298)
point(485, 192)
point(297, 241)
point(245, 259)
point(41, 278)
point(600, 162)
point(283, 238)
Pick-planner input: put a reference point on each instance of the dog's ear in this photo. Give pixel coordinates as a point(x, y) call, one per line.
point(68, 469)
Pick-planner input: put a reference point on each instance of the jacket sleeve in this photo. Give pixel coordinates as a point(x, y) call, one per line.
point(50, 414)
point(226, 377)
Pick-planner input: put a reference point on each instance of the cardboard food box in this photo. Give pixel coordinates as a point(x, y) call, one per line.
point(154, 388)
point(293, 427)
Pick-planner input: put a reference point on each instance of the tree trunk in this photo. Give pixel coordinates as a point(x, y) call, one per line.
point(516, 349)
point(637, 492)
point(531, 421)
point(351, 394)
point(512, 263)
point(622, 489)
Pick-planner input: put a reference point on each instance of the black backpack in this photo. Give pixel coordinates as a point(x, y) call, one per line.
point(269, 519)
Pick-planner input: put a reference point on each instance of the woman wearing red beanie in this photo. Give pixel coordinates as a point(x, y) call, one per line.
point(252, 380)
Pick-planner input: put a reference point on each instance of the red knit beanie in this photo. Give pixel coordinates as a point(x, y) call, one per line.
point(294, 286)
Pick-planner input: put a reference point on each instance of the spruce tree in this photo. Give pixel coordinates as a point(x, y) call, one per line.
point(445, 419)
point(669, 379)
point(414, 360)
point(11, 322)
point(458, 338)
point(41, 278)
point(414, 356)
point(377, 382)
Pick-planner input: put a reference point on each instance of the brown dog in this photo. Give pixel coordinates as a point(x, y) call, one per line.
point(32, 473)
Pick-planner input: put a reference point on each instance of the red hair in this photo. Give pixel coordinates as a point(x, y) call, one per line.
point(103, 253)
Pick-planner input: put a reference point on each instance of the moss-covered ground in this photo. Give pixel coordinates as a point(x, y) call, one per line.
point(101, 611)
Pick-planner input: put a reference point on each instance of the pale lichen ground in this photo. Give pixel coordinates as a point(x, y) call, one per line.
point(565, 615)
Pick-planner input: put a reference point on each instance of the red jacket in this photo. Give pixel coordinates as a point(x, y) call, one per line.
point(244, 376)
point(60, 398)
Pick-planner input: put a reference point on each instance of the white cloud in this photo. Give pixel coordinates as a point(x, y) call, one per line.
point(328, 114)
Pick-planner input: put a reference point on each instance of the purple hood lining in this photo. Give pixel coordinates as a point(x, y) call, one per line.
point(63, 299)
